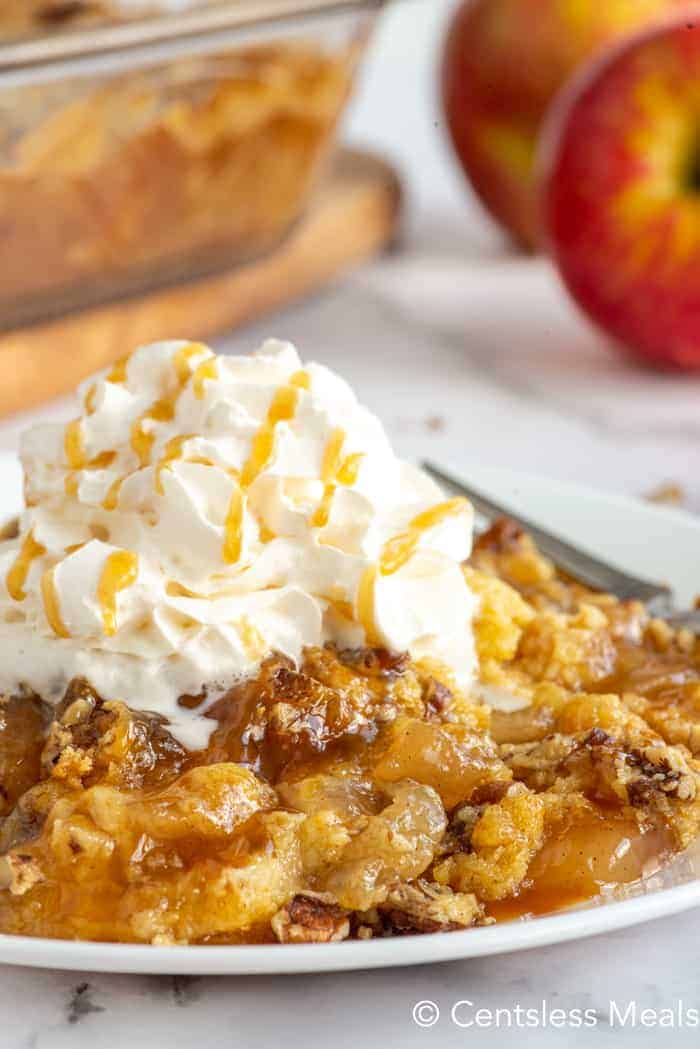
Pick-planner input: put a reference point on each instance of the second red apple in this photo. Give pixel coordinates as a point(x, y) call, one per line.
point(622, 192)
point(504, 62)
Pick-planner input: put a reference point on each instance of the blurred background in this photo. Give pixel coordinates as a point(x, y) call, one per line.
point(467, 345)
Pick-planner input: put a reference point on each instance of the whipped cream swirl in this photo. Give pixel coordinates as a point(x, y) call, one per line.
point(203, 511)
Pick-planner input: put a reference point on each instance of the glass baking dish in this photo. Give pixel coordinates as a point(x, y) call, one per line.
point(140, 146)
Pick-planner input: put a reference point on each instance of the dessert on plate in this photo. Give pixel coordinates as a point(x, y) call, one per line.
point(257, 686)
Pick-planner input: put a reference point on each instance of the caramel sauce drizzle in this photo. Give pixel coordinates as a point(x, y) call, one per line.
point(100, 462)
point(175, 589)
point(18, 572)
point(266, 534)
point(183, 358)
point(163, 410)
point(394, 555)
point(250, 636)
point(142, 441)
point(118, 374)
point(335, 470)
point(181, 363)
point(207, 370)
point(90, 399)
point(74, 445)
point(119, 368)
point(119, 573)
point(74, 547)
point(397, 551)
point(342, 608)
point(52, 607)
point(301, 379)
point(111, 500)
point(365, 605)
point(233, 527)
point(172, 451)
point(282, 409)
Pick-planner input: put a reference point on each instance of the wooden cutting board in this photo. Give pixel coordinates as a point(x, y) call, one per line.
point(354, 216)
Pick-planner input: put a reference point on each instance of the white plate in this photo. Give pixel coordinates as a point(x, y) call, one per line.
point(660, 543)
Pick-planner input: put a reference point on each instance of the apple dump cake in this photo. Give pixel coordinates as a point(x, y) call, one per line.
point(258, 686)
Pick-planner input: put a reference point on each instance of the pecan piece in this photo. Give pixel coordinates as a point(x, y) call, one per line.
point(311, 917)
point(653, 772)
point(423, 907)
point(436, 696)
point(375, 661)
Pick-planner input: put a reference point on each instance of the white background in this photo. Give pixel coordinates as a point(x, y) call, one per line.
point(469, 354)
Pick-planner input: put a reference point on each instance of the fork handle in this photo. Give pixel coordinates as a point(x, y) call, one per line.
point(582, 566)
point(685, 620)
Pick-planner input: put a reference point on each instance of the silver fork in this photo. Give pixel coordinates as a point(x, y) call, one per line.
point(579, 564)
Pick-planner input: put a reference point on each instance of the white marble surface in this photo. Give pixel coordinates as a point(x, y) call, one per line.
point(653, 966)
point(468, 354)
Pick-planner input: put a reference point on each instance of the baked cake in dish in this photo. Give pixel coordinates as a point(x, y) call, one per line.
point(124, 177)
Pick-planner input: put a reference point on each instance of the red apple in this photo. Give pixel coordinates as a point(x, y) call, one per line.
point(504, 61)
point(621, 191)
